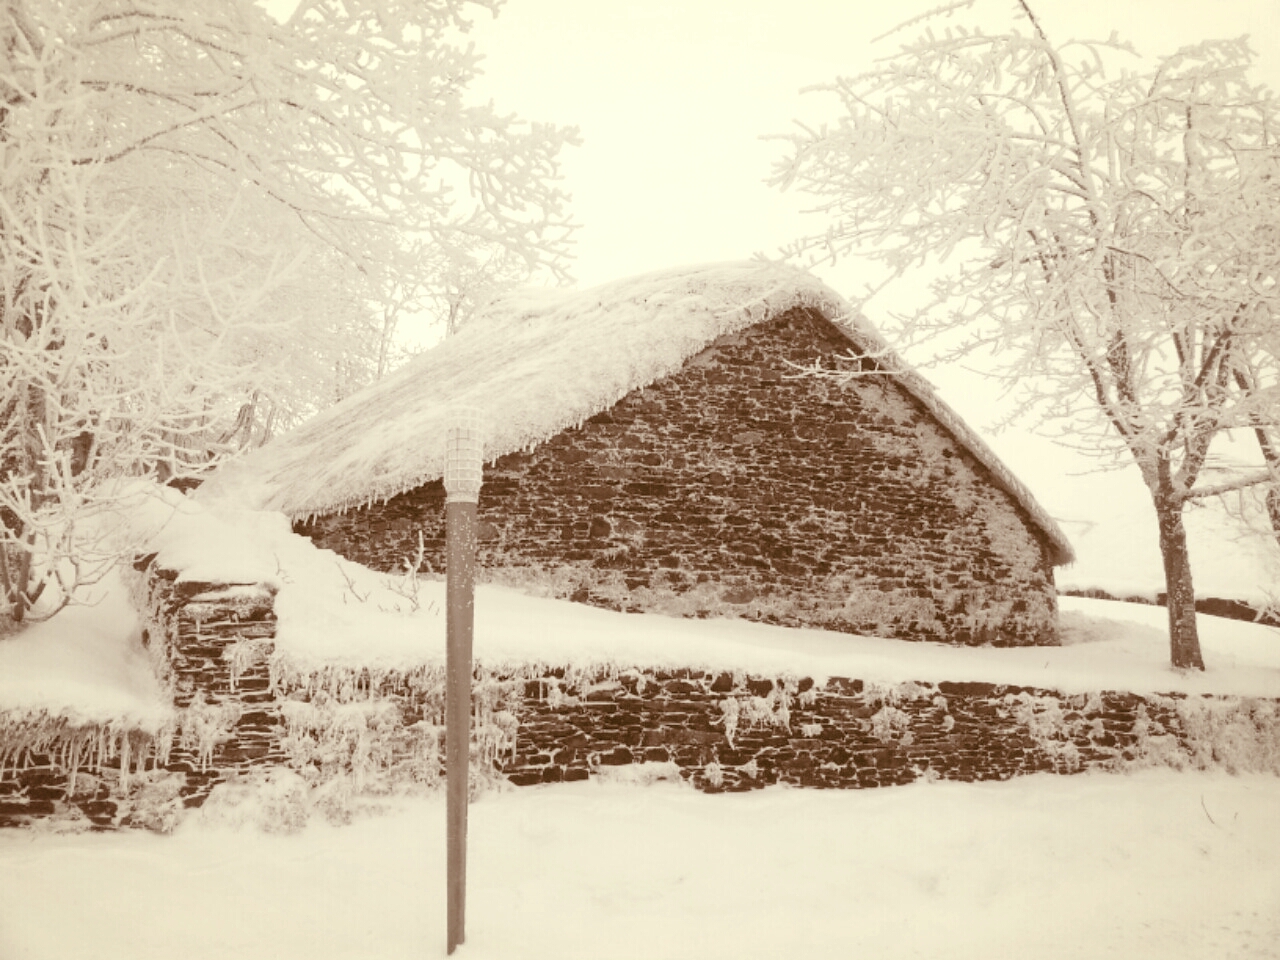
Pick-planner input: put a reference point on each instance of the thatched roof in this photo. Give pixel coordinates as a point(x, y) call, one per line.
point(535, 363)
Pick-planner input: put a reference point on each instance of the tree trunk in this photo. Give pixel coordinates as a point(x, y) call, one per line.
point(16, 577)
point(1272, 459)
point(1184, 639)
point(1270, 456)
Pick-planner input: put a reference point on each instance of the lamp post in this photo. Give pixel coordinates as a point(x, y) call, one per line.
point(462, 477)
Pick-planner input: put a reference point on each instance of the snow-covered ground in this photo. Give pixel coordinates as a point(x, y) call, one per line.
point(1160, 865)
point(1151, 864)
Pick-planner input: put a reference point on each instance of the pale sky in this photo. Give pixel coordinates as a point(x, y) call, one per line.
point(671, 98)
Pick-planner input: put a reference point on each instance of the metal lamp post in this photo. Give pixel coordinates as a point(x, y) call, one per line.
point(462, 477)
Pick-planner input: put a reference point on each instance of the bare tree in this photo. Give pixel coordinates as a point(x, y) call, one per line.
point(458, 278)
point(205, 215)
point(1127, 223)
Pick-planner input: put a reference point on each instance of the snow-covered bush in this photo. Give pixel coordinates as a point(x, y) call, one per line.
point(275, 800)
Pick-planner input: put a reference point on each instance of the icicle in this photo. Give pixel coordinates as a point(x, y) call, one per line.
point(73, 767)
point(163, 743)
point(124, 762)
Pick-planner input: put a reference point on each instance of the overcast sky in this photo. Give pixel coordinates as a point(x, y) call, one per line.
point(671, 98)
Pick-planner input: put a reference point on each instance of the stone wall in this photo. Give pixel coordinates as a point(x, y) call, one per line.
point(54, 767)
point(739, 733)
point(735, 488)
point(722, 731)
point(209, 643)
point(1227, 608)
point(241, 709)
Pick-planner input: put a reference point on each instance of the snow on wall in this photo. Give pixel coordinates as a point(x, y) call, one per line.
point(734, 487)
point(197, 654)
point(247, 707)
point(350, 732)
point(734, 732)
point(344, 705)
point(538, 363)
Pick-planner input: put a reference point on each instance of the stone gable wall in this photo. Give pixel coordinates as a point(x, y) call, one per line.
point(735, 488)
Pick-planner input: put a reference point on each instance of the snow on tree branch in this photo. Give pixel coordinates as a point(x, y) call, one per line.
point(209, 221)
point(1119, 224)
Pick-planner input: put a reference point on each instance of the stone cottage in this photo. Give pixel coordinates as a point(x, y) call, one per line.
point(663, 444)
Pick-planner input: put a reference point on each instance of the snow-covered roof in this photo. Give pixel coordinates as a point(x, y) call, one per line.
point(538, 362)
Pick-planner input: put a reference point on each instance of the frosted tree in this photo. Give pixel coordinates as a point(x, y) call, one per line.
point(207, 216)
point(470, 275)
point(1120, 227)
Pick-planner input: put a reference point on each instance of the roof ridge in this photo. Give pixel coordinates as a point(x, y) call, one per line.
point(538, 362)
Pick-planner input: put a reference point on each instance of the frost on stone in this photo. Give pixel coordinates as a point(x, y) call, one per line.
point(714, 773)
point(878, 613)
point(1235, 735)
point(245, 654)
point(729, 711)
point(739, 712)
point(1049, 728)
point(358, 730)
point(106, 751)
point(891, 725)
point(1156, 744)
point(205, 726)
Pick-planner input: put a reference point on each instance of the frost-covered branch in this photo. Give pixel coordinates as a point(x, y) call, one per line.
point(1241, 483)
point(209, 221)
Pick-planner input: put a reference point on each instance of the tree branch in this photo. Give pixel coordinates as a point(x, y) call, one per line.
point(1244, 483)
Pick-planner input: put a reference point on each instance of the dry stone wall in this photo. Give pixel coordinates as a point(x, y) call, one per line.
point(53, 767)
point(241, 710)
point(725, 732)
point(734, 487)
point(210, 644)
